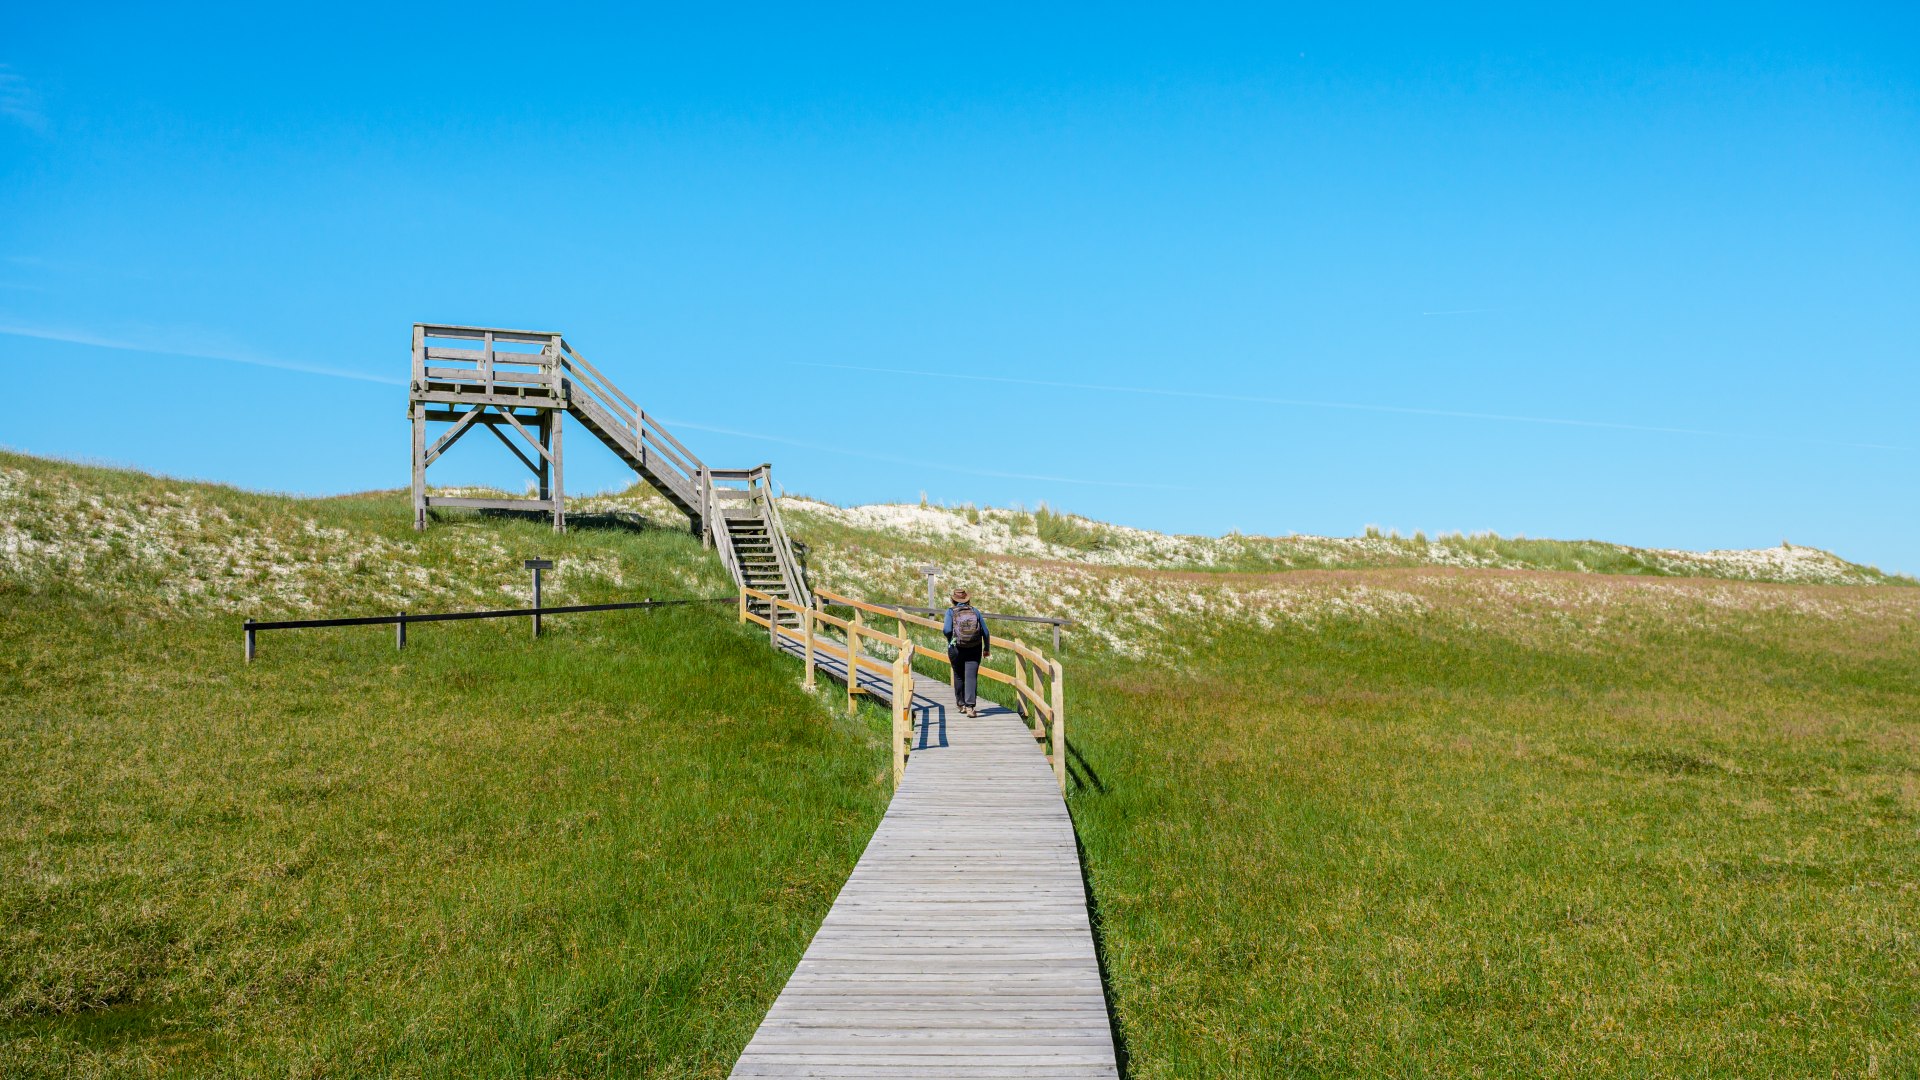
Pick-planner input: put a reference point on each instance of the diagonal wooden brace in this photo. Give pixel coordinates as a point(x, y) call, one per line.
point(508, 443)
point(445, 442)
point(522, 429)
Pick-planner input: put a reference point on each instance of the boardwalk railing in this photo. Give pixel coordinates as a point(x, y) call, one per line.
point(809, 636)
point(1036, 678)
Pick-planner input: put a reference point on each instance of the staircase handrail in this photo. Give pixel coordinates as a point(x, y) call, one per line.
point(784, 549)
point(717, 529)
point(654, 425)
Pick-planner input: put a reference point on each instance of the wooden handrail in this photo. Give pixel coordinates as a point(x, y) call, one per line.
point(1027, 652)
point(1036, 677)
point(900, 671)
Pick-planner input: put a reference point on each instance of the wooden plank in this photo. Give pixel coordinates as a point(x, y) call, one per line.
point(477, 333)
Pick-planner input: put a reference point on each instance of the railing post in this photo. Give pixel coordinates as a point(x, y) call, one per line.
point(1020, 683)
point(807, 614)
point(1059, 729)
point(400, 632)
point(853, 666)
point(743, 604)
point(250, 633)
point(902, 716)
point(773, 621)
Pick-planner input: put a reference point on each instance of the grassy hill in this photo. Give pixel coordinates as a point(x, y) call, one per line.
point(1349, 806)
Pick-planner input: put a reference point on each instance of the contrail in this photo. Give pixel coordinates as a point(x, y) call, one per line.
point(1404, 410)
point(916, 462)
point(74, 337)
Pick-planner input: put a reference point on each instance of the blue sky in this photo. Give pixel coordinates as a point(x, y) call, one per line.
point(1635, 275)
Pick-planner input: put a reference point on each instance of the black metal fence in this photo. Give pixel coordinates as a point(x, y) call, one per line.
point(399, 620)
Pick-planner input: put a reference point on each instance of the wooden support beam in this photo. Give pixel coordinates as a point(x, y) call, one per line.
point(419, 464)
point(535, 398)
point(545, 470)
point(524, 459)
point(446, 441)
point(552, 454)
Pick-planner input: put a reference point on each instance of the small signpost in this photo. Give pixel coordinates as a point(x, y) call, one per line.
point(537, 565)
point(931, 571)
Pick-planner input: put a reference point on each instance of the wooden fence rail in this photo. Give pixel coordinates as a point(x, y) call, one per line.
point(1037, 679)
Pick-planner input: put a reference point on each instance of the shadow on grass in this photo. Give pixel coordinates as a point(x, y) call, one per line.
point(1121, 1058)
point(1084, 776)
point(620, 521)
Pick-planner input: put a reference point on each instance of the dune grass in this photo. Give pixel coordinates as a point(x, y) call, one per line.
point(1419, 847)
point(597, 854)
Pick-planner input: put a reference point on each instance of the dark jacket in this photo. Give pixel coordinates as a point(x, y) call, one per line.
point(986, 639)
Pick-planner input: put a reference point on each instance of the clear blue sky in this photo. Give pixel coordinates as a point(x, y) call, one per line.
point(1213, 269)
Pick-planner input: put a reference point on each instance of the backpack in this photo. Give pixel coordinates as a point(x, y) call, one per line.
point(966, 626)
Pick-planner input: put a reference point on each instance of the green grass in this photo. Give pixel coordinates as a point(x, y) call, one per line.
point(1508, 824)
point(596, 854)
point(1418, 847)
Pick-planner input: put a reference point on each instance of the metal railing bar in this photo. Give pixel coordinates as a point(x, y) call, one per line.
point(457, 616)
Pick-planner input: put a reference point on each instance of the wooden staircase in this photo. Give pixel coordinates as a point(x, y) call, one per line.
point(753, 541)
point(523, 382)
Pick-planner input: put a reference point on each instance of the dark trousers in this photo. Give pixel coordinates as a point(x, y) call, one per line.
point(966, 674)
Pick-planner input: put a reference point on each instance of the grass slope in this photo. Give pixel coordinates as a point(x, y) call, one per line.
point(596, 854)
point(1417, 847)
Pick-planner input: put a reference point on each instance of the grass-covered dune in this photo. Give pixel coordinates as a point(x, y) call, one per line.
point(1379, 806)
point(600, 853)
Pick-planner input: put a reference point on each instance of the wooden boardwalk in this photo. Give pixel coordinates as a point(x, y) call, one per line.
point(960, 946)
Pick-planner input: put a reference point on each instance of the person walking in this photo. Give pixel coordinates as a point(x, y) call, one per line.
point(968, 643)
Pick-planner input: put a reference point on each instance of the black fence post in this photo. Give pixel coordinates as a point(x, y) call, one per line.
point(249, 641)
point(400, 632)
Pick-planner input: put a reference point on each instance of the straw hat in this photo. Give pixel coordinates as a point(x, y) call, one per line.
point(959, 596)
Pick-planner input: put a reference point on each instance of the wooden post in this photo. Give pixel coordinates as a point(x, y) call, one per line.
point(703, 484)
point(743, 605)
point(545, 472)
point(250, 633)
point(807, 614)
point(1056, 639)
point(400, 633)
point(902, 716)
point(773, 620)
point(559, 481)
point(1019, 699)
point(536, 601)
point(1059, 729)
point(486, 363)
point(853, 666)
point(419, 411)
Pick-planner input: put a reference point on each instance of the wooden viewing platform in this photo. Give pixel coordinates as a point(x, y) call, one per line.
point(961, 945)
